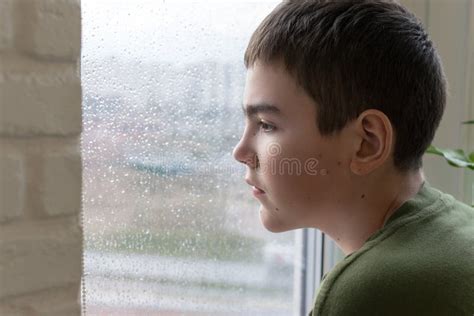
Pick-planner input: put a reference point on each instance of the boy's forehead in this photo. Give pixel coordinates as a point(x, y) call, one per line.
point(267, 89)
point(270, 89)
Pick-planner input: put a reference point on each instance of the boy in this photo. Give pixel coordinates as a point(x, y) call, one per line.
point(342, 98)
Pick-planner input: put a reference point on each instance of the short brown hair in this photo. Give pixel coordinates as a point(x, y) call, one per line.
point(350, 56)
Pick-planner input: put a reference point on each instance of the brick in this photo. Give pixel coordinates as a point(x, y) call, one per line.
point(38, 109)
point(12, 187)
point(39, 255)
point(51, 302)
point(71, 309)
point(60, 191)
point(7, 309)
point(51, 29)
point(25, 70)
point(6, 25)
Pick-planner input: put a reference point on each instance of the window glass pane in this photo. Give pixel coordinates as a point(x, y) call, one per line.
point(171, 228)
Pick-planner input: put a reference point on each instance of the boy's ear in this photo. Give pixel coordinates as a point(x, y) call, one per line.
point(373, 141)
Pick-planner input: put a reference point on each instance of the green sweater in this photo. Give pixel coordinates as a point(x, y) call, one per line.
point(420, 263)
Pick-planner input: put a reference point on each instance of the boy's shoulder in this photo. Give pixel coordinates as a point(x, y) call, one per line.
point(420, 263)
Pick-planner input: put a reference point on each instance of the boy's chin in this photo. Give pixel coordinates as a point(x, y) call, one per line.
point(272, 223)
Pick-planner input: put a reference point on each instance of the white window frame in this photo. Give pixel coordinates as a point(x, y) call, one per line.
point(308, 268)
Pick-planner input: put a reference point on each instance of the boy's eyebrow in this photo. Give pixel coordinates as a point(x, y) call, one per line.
point(254, 109)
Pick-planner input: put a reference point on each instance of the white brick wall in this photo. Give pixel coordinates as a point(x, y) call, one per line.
point(40, 161)
point(53, 31)
point(38, 255)
point(54, 302)
point(60, 194)
point(39, 97)
point(6, 24)
point(12, 187)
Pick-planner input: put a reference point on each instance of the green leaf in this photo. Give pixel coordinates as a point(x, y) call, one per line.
point(455, 157)
point(471, 156)
point(468, 122)
point(434, 150)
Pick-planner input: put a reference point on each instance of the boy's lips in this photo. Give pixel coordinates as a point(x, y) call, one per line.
point(255, 189)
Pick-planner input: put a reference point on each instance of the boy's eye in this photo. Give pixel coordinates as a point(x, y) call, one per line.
point(265, 126)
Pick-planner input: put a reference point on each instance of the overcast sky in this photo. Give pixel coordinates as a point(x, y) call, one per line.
point(174, 30)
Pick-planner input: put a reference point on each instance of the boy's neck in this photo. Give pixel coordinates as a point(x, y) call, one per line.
point(355, 225)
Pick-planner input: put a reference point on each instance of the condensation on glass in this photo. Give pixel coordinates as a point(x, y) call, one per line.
point(170, 226)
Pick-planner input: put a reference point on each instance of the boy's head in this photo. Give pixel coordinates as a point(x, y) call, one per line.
point(360, 89)
point(355, 55)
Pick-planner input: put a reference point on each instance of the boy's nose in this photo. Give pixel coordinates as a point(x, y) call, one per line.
point(244, 155)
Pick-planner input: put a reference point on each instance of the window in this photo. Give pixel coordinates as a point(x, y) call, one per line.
point(170, 226)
